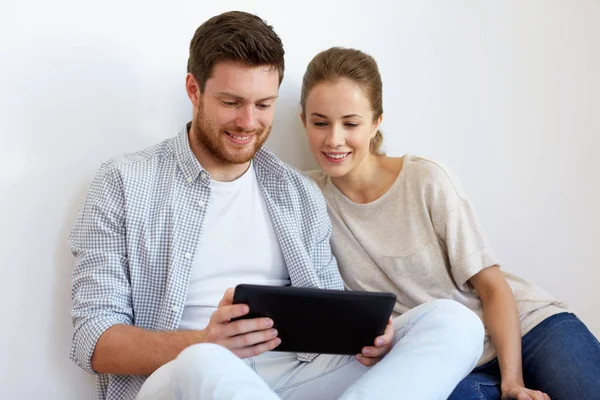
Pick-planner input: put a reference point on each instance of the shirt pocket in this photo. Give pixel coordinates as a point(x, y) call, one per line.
point(404, 244)
point(422, 274)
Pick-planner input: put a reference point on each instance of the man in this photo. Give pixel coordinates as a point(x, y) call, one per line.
point(164, 232)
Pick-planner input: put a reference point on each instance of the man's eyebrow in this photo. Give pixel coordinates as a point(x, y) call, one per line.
point(239, 98)
point(269, 98)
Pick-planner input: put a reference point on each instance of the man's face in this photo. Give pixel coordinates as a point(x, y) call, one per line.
point(235, 113)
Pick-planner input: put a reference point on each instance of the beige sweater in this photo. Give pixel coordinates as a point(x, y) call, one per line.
point(422, 241)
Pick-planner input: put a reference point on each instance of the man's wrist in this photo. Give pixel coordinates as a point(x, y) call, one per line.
point(191, 337)
point(199, 337)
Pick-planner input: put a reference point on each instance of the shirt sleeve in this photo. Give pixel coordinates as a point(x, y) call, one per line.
point(101, 291)
point(458, 228)
point(324, 260)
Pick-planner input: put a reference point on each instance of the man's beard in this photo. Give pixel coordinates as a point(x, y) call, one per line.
point(220, 148)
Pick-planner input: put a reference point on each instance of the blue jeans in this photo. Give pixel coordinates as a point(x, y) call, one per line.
point(561, 357)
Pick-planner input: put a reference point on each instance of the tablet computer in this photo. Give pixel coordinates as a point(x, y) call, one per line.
point(318, 320)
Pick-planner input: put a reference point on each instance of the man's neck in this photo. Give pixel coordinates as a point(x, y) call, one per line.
point(218, 170)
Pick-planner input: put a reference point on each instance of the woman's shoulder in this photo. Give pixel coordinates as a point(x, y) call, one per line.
point(431, 174)
point(425, 166)
point(318, 176)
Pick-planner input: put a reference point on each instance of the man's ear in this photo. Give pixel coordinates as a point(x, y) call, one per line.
point(193, 89)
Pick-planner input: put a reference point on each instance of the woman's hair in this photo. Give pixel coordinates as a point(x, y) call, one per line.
point(337, 63)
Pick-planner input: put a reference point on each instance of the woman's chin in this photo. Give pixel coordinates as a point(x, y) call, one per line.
point(334, 171)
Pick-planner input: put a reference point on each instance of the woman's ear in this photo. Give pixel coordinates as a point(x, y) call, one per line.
point(303, 119)
point(376, 125)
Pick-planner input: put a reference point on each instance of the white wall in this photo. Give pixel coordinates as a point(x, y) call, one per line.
point(505, 93)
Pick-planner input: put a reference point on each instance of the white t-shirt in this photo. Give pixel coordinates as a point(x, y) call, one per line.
point(422, 240)
point(238, 245)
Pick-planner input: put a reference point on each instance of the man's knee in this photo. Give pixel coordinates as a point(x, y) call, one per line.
point(197, 361)
point(192, 368)
point(459, 315)
point(202, 352)
point(461, 325)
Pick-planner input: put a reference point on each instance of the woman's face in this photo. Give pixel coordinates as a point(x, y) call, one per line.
point(339, 125)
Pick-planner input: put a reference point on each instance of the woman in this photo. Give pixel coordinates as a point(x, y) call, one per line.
point(405, 225)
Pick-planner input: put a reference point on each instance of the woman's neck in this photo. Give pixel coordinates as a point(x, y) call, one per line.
point(370, 180)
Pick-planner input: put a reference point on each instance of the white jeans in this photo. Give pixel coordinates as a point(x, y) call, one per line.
point(435, 346)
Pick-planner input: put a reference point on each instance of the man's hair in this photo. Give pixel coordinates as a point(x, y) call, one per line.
point(234, 36)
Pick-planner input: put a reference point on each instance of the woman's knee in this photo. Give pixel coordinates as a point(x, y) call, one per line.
point(476, 388)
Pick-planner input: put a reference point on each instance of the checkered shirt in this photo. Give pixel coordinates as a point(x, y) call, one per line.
point(135, 239)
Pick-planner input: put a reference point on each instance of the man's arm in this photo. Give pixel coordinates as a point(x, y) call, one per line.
point(101, 291)
point(105, 339)
point(130, 350)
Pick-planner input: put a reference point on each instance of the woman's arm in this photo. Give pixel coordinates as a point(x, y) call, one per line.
point(502, 320)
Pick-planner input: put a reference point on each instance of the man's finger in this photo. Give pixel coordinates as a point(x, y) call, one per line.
point(366, 361)
point(227, 299)
point(258, 349)
point(386, 338)
point(250, 339)
point(371, 351)
point(227, 313)
point(244, 326)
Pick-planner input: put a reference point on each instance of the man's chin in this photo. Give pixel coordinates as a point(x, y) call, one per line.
point(237, 157)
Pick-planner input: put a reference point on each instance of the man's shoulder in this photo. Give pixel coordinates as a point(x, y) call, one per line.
point(137, 164)
point(295, 179)
point(302, 179)
point(148, 155)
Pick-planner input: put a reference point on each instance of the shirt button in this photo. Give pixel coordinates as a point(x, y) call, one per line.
point(203, 175)
point(174, 308)
point(188, 255)
point(201, 203)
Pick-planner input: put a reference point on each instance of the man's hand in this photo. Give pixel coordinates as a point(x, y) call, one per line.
point(371, 355)
point(520, 392)
point(246, 337)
